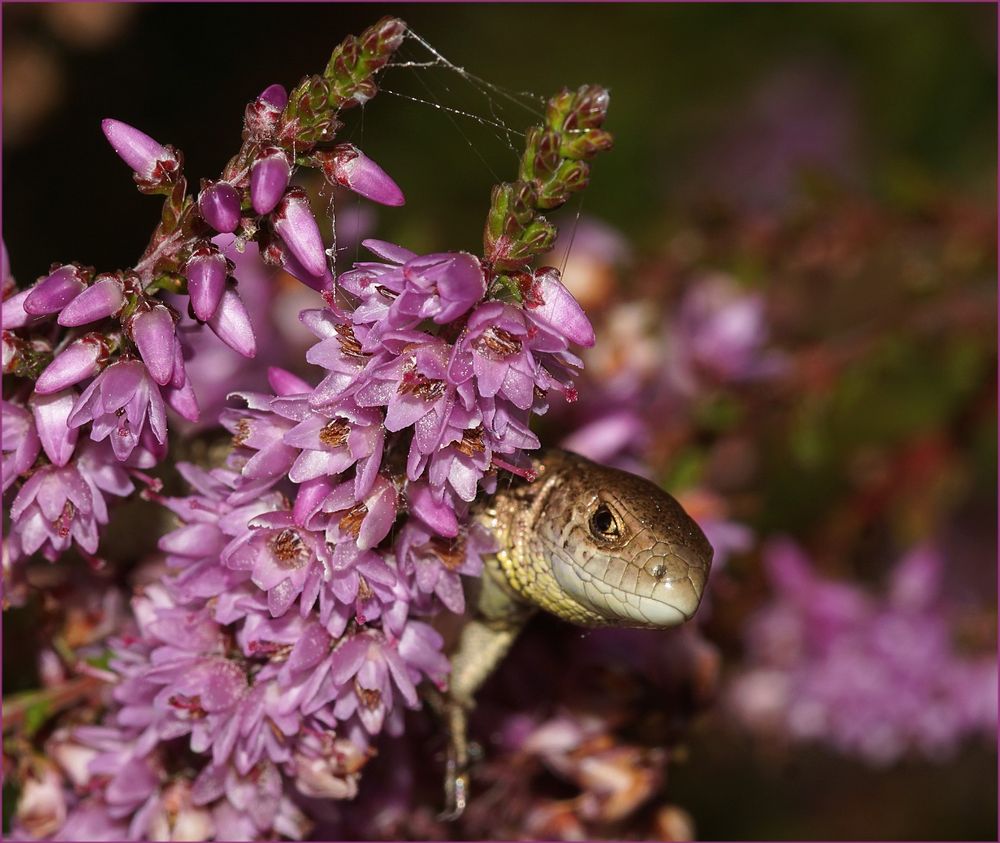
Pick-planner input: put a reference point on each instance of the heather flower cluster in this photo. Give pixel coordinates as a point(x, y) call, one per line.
point(290, 628)
point(290, 632)
point(875, 677)
point(94, 362)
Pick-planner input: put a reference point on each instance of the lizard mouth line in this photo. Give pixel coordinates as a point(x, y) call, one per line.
point(670, 602)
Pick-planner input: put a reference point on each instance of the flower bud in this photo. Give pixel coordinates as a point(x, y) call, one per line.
point(51, 413)
point(231, 324)
point(54, 292)
point(275, 95)
point(135, 148)
point(153, 333)
point(219, 204)
point(268, 179)
point(348, 166)
point(295, 225)
point(13, 314)
point(77, 362)
point(104, 298)
point(206, 273)
point(261, 117)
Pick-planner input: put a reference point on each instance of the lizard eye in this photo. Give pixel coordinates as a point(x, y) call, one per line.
point(603, 523)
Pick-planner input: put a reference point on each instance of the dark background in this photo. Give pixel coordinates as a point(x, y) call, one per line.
point(909, 93)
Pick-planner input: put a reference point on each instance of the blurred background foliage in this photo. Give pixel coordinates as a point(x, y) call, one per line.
point(840, 160)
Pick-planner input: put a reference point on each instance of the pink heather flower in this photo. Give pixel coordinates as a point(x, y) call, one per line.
point(496, 349)
point(439, 287)
point(137, 149)
point(153, 333)
point(269, 178)
point(283, 557)
point(55, 291)
point(206, 273)
point(19, 442)
point(231, 323)
point(296, 226)
point(215, 513)
point(258, 429)
point(80, 360)
point(872, 676)
point(553, 307)
point(370, 674)
point(332, 441)
point(54, 507)
point(435, 562)
point(721, 330)
point(219, 204)
point(348, 166)
point(51, 413)
point(103, 299)
point(353, 524)
point(608, 438)
point(118, 402)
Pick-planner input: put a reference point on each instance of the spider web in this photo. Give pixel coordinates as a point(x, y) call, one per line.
point(485, 115)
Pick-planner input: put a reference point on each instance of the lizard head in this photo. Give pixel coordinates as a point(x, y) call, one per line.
point(620, 550)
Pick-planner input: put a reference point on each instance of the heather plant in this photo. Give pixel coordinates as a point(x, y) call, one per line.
point(289, 627)
point(236, 536)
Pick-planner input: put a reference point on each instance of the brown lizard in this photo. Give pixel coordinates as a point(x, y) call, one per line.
point(593, 545)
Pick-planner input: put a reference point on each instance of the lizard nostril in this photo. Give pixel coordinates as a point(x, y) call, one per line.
point(658, 570)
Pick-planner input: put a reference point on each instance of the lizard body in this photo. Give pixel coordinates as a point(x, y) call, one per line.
point(593, 545)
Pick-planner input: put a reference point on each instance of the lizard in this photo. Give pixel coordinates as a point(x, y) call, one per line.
point(593, 545)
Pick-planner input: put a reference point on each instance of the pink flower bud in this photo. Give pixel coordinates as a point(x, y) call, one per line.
point(275, 95)
point(206, 275)
point(55, 291)
point(14, 315)
point(153, 333)
point(77, 362)
point(231, 324)
point(268, 179)
point(261, 117)
point(51, 413)
point(219, 204)
point(348, 166)
point(295, 225)
point(135, 148)
point(104, 298)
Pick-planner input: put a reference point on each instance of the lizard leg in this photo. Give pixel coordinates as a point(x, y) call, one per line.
point(482, 646)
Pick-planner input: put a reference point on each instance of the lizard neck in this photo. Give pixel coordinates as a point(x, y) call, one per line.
point(520, 572)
